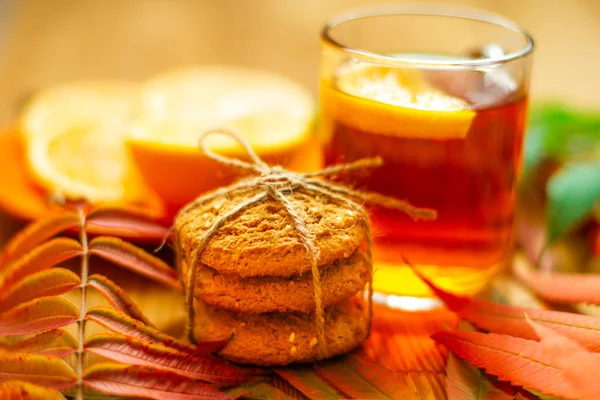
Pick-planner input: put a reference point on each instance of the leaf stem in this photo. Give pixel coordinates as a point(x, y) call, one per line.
point(83, 237)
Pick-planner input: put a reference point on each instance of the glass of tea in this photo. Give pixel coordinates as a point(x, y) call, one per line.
point(440, 95)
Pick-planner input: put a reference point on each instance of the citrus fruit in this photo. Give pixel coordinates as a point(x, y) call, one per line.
point(74, 142)
point(273, 113)
point(394, 101)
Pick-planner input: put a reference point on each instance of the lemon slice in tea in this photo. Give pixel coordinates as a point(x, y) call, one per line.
point(74, 140)
point(393, 101)
point(275, 114)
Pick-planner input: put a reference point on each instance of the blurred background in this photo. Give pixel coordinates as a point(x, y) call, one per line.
point(50, 41)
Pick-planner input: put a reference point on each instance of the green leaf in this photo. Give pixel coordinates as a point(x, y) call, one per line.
point(572, 193)
point(348, 381)
point(40, 369)
point(466, 382)
point(259, 391)
point(307, 381)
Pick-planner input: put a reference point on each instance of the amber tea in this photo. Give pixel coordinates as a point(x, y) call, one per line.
point(450, 139)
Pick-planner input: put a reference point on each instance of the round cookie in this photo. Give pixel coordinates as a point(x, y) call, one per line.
point(262, 240)
point(282, 338)
point(339, 281)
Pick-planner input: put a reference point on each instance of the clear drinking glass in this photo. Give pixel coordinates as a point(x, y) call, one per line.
point(440, 94)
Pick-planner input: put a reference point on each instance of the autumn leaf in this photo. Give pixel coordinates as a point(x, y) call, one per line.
point(510, 320)
point(39, 232)
point(466, 382)
point(126, 222)
point(147, 383)
point(20, 390)
point(44, 370)
point(138, 352)
point(310, 383)
point(38, 315)
point(520, 361)
point(580, 367)
point(261, 390)
point(348, 381)
point(117, 297)
point(134, 258)
point(56, 342)
point(42, 284)
point(559, 287)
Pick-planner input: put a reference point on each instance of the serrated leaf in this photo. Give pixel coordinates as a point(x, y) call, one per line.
point(559, 287)
point(522, 362)
point(39, 259)
point(20, 390)
point(510, 320)
point(39, 232)
point(130, 223)
point(38, 315)
point(121, 323)
point(466, 382)
point(39, 369)
point(41, 284)
point(307, 381)
point(259, 391)
point(572, 193)
point(348, 381)
point(147, 383)
point(56, 342)
point(128, 350)
point(117, 297)
point(134, 258)
point(381, 378)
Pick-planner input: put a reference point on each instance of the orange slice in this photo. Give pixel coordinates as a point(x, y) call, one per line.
point(394, 101)
point(74, 142)
point(275, 114)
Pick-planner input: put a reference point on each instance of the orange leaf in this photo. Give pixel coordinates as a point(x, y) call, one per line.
point(119, 322)
point(39, 369)
point(56, 342)
point(263, 390)
point(522, 362)
point(384, 380)
point(128, 350)
point(117, 297)
point(307, 381)
point(20, 390)
point(147, 383)
point(42, 284)
point(134, 258)
point(127, 222)
point(559, 286)
point(348, 381)
point(38, 315)
point(580, 366)
point(466, 382)
point(41, 258)
point(510, 320)
point(39, 232)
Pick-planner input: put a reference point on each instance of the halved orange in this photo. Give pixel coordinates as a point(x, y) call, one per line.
point(74, 142)
point(394, 101)
point(273, 113)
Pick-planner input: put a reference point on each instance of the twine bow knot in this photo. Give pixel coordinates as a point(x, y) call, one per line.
point(278, 183)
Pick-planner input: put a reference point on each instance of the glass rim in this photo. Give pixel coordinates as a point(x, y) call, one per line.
point(467, 13)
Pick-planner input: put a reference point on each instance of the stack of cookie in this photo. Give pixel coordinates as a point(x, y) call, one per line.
point(253, 278)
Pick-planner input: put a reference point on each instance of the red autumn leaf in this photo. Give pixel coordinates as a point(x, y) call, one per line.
point(128, 223)
point(38, 315)
point(147, 383)
point(559, 286)
point(39, 369)
point(56, 342)
point(348, 381)
point(39, 232)
point(134, 258)
point(466, 382)
point(128, 350)
point(42, 284)
point(117, 297)
point(119, 322)
point(522, 362)
point(20, 390)
point(579, 366)
point(307, 381)
point(510, 320)
point(39, 259)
